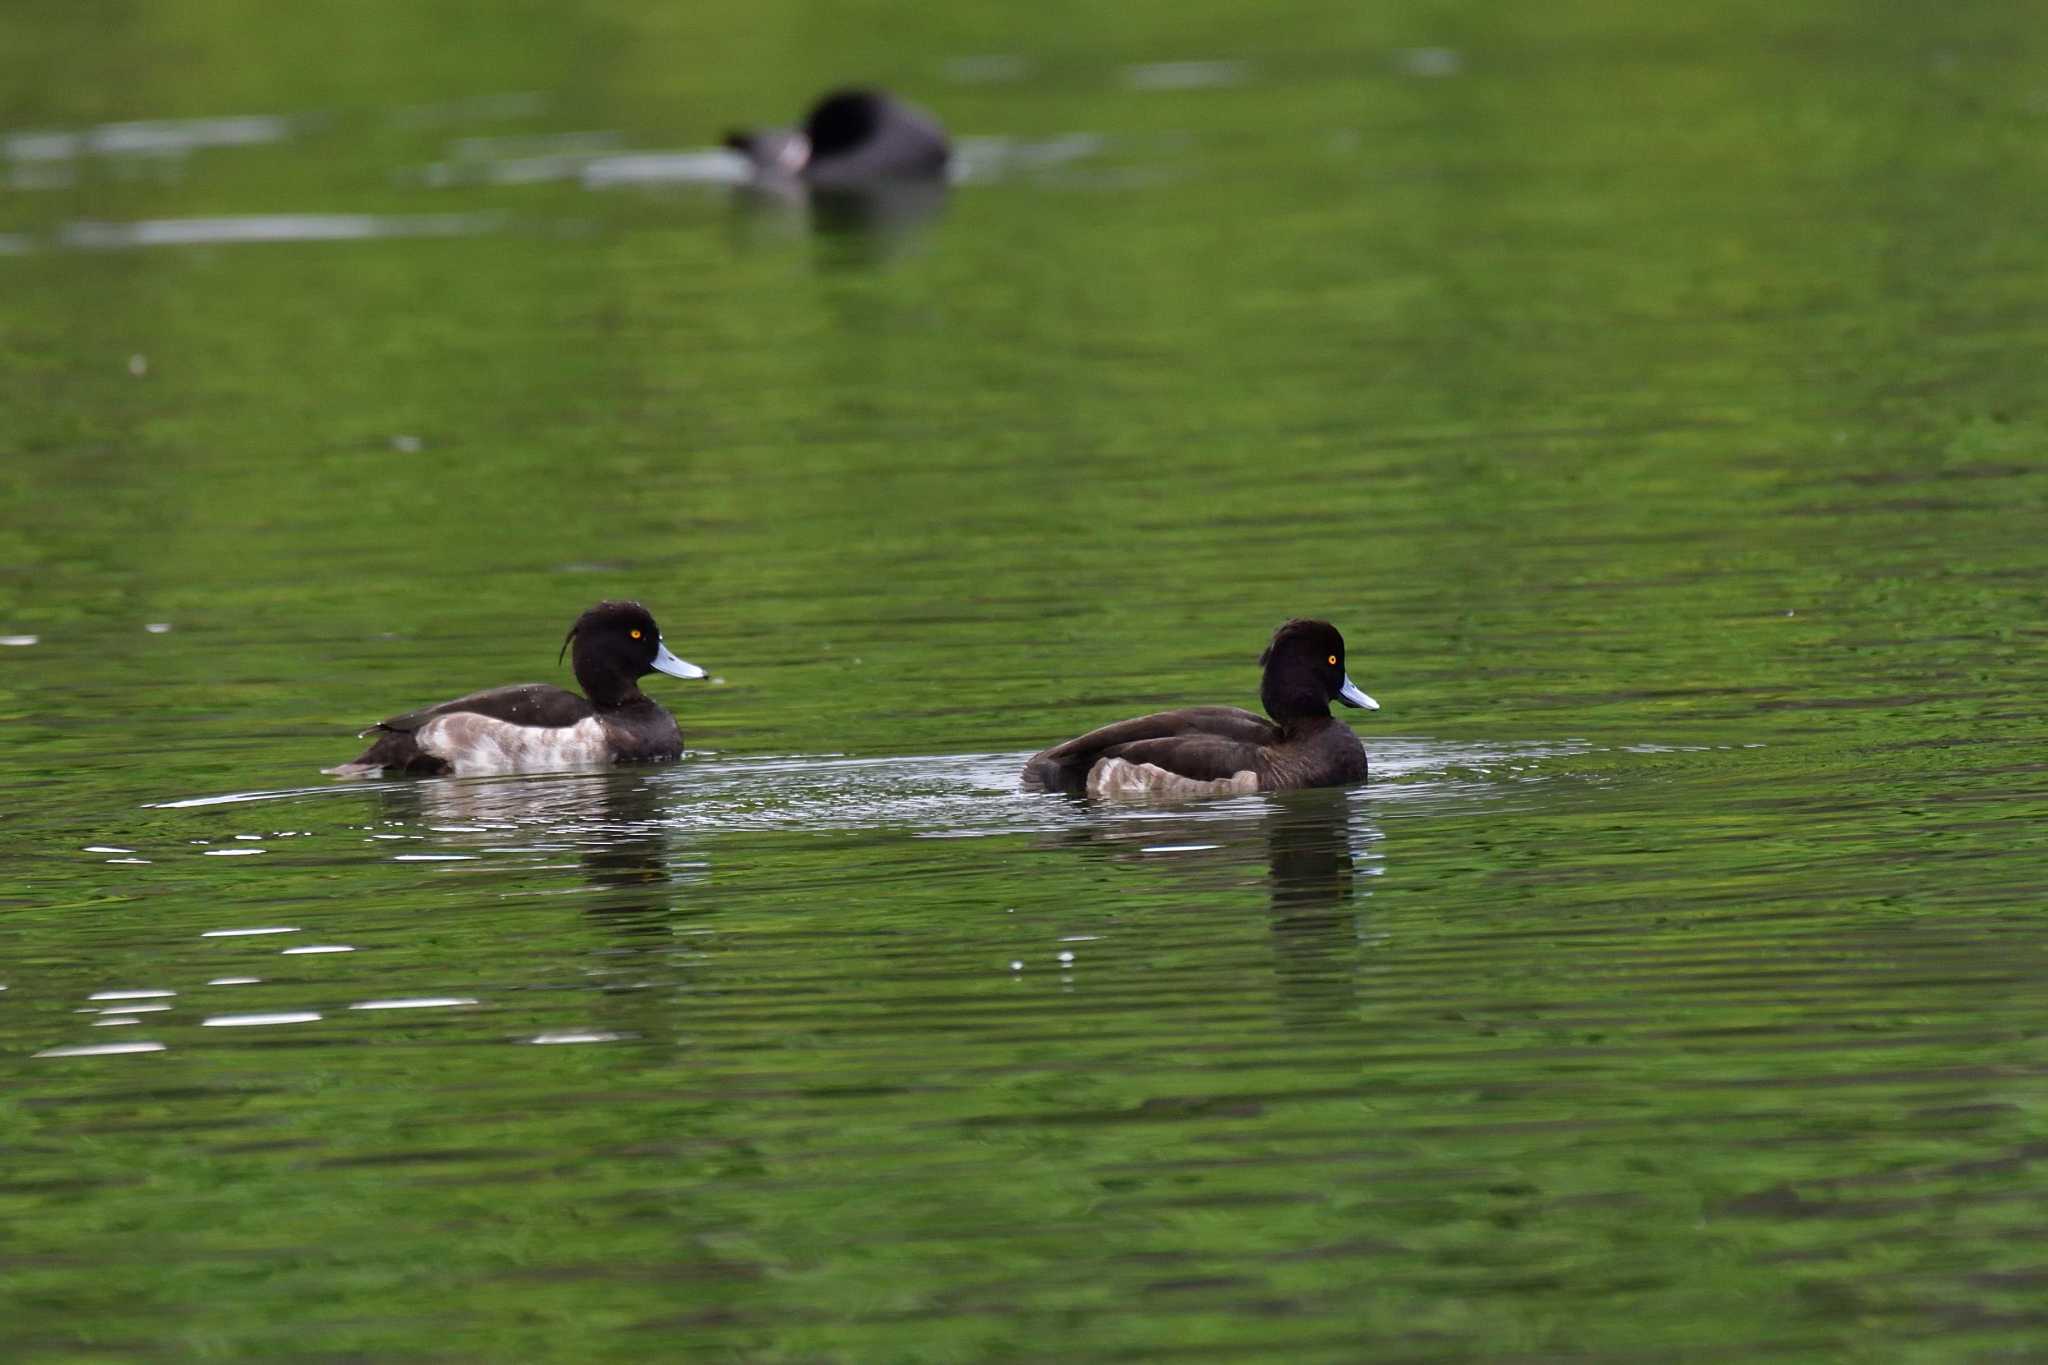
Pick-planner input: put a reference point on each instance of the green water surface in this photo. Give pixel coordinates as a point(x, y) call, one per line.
point(1653, 395)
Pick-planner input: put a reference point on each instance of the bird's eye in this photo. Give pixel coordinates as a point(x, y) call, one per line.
point(636, 635)
point(1333, 658)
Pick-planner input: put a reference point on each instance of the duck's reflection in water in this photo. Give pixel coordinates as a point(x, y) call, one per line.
point(1318, 847)
point(1313, 879)
point(636, 894)
point(626, 863)
point(611, 821)
point(853, 224)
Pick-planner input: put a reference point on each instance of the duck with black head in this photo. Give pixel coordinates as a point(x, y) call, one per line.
point(533, 727)
point(1225, 750)
point(867, 166)
point(850, 137)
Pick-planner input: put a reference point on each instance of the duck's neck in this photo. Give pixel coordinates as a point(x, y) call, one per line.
point(609, 689)
point(1297, 725)
point(1293, 708)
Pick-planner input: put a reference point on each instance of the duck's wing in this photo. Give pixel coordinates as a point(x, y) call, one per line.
point(540, 704)
point(502, 729)
point(1205, 758)
point(1064, 767)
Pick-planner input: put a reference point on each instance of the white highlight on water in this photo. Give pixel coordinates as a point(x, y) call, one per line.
point(151, 137)
point(100, 1049)
point(420, 1002)
point(86, 235)
point(1186, 75)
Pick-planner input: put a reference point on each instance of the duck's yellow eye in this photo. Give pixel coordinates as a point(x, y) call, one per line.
point(1333, 658)
point(636, 635)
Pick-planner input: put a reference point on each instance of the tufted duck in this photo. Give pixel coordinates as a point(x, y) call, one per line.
point(850, 137)
point(535, 726)
point(1222, 750)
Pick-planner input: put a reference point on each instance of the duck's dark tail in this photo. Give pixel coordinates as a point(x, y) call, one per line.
point(1045, 773)
point(394, 751)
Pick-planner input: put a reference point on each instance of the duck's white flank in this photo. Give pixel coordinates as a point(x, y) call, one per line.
point(474, 744)
point(1117, 778)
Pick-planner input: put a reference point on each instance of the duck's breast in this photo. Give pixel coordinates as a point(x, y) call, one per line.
point(642, 733)
point(1334, 757)
point(473, 744)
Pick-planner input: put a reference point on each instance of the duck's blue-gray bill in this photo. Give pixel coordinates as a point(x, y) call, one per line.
point(668, 663)
point(1351, 696)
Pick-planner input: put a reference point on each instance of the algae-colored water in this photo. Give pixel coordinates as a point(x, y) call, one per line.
point(1654, 396)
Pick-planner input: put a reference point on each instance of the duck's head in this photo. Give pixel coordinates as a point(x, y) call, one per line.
point(846, 120)
point(1305, 672)
point(841, 124)
point(616, 644)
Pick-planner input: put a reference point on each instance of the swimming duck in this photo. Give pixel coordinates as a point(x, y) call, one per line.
point(850, 137)
point(1222, 750)
point(535, 726)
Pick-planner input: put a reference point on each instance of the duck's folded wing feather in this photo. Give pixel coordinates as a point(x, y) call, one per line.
point(538, 704)
point(1067, 765)
point(1229, 722)
point(1205, 758)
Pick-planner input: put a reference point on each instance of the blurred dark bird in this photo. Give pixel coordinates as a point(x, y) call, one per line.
point(849, 139)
